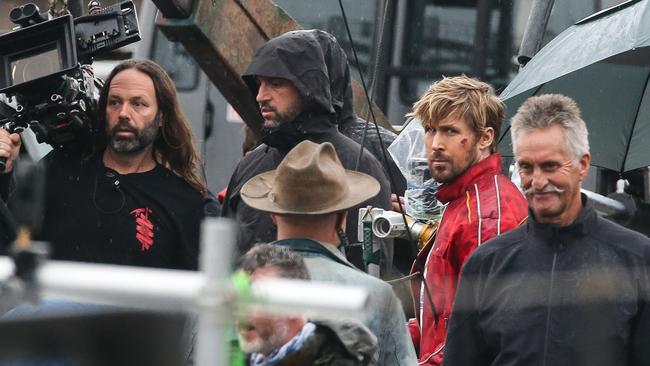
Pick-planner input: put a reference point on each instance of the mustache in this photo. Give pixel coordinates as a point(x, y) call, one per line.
point(123, 124)
point(549, 188)
point(437, 155)
point(266, 105)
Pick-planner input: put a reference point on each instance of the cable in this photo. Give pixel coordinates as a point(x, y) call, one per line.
point(370, 111)
point(371, 114)
point(116, 186)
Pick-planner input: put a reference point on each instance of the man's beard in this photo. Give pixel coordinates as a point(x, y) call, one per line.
point(455, 168)
point(281, 118)
point(140, 139)
point(265, 346)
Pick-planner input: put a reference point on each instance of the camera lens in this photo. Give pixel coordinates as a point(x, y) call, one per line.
point(381, 227)
point(29, 10)
point(15, 14)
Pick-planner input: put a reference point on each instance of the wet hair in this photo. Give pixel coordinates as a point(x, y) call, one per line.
point(542, 111)
point(461, 97)
point(288, 263)
point(174, 145)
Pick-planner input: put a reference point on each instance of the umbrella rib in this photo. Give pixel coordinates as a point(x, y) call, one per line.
point(636, 118)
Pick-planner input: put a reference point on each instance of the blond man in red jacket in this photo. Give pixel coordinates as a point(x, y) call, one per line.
point(462, 118)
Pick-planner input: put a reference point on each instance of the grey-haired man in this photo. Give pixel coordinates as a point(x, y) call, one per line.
point(292, 339)
point(567, 288)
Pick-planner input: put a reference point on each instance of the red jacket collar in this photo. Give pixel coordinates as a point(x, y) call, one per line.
point(450, 191)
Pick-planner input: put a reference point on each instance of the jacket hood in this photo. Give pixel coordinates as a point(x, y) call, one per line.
point(355, 337)
point(296, 56)
point(338, 72)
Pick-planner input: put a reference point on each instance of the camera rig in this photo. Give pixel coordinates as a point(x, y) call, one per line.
point(46, 83)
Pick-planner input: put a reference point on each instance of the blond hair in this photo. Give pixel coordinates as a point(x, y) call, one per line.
point(461, 97)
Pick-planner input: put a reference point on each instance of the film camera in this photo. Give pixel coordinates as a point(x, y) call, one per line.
point(46, 83)
point(383, 224)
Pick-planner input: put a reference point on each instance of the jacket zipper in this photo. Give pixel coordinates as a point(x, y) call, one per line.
point(548, 309)
point(435, 352)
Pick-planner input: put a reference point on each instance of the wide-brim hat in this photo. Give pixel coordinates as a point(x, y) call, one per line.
point(310, 180)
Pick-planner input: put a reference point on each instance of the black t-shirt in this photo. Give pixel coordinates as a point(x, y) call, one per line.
point(94, 214)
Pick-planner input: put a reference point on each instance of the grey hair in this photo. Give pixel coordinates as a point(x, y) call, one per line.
point(288, 263)
point(542, 111)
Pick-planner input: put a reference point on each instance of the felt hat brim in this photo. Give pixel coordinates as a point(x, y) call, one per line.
point(255, 194)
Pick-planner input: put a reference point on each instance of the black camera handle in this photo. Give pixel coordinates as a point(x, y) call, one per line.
point(3, 163)
point(10, 127)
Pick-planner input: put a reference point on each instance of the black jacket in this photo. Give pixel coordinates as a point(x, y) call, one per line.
point(298, 57)
point(377, 139)
point(548, 295)
point(342, 343)
point(7, 222)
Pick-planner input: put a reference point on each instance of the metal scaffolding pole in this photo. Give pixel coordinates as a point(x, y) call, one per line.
point(533, 37)
point(209, 292)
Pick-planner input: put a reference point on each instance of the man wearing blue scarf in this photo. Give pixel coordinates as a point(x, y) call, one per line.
point(285, 340)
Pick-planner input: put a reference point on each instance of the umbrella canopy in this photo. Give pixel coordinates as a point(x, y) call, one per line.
point(603, 63)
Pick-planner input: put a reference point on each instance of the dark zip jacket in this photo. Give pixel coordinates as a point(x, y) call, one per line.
point(298, 57)
point(548, 295)
point(341, 343)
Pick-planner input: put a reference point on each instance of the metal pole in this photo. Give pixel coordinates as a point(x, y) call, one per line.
point(605, 205)
point(481, 37)
point(209, 292)
point(156, 289)
point(163, 289)
point(533, 37)
point(216, 265)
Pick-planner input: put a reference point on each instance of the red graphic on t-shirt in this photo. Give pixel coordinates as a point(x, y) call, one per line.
point(143, 228)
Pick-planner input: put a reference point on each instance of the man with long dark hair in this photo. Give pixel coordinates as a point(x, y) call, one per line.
point(134, 195)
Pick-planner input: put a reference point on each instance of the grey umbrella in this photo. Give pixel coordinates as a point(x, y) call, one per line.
point(603, 63)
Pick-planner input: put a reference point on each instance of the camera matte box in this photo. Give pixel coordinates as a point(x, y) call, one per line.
point(56, 35)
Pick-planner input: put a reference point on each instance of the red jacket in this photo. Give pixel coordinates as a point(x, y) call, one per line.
point(481, 204)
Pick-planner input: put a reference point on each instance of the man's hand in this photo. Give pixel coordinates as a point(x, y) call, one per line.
point(9, 148)
point(394, 202)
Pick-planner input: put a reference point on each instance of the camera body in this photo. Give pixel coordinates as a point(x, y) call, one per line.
point(386, 224)
point(46, 83)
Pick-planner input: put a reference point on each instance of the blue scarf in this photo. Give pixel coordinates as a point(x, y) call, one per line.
point(275, 357)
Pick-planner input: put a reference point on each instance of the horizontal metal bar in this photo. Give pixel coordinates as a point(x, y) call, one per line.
point(605, 205)
point(163, 289)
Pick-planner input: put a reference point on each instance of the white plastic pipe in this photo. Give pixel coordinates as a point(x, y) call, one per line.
point(209, 292)
point(217, 243)
point(315, 299)
point(157, 289)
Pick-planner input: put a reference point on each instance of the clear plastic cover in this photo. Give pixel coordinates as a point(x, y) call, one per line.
point(410, 157)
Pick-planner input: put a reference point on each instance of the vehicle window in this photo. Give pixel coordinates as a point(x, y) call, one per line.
point(456, 37)
point(326, 15)
point(178, 63)
point(445, 37)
